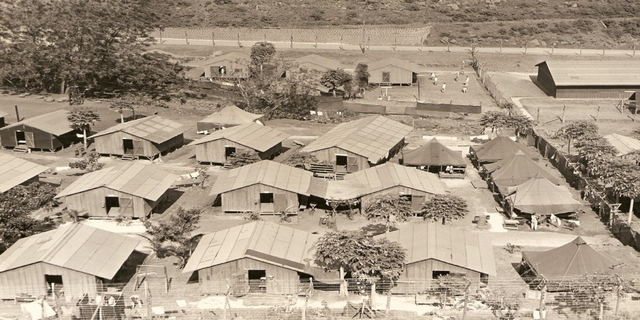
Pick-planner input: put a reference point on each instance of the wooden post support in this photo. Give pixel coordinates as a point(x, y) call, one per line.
point(580, 48)
point(316, 39)
point(597, 114)
point(291, 41)
point(213, 39)
point(421, 44)
point(553, 46)
point(418, 83)
point(526, 44)
point(603, 47)
point(634, 51)
point(186, 37)
point(541, 305)
point(341, 41)
point(160, 36)
point(538, 115)
point(147, 295)
point(239, 44)
point(448, 50)
point(564, 109)
point(466, 297)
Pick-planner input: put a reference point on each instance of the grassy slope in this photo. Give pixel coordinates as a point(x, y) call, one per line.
point(551, 21)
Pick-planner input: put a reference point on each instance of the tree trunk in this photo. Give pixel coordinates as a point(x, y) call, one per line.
point(84, 137)
point(121, 117)
point(334, 92)
point(373, 294)
point(630, 210)
point(343, 285)
point(133, 112)
point(389, 300)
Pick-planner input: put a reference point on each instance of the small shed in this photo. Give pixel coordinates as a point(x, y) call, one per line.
point(264, 187)
point(50, 131)
point(233, 65)
point(147, 138)
point(435, 157)
point(229, 116)
point(314, 63)
point(434, 250)
point(132, 190)
point(75, 259)
point(216, 147)
point(16, 171)
point(256, 257)
point(360, 144)
point(597, 79)
point(393, 71)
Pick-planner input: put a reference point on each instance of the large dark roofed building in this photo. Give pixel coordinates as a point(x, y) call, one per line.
point(589, 79)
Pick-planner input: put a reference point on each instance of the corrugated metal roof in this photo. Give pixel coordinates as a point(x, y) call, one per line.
point(623, 144)
point(265, 241)
point(403, 64)
point(264, 172)
point(74, 246)
point(232, 116)
point(55, 122)
point(371, 137)
point(423, 241)
point(145, 181)
point(320, 61)
point(14, 171)
point(154, 128)
point(252, 135)
point(594, 73)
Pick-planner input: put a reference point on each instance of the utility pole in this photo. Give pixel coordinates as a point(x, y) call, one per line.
point(466, 296)
point(213, 39)
point(186, 37)
point(292, 41)
point(597, 113)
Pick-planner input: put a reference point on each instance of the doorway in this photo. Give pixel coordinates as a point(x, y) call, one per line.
point(257, 280)
point(54, 284)
point(21, 137)
point(437, 274)
point(386, 77)
point(229, 151)
point(127, 145)
point(341, 162)
point(111, 202)
point(266, 202)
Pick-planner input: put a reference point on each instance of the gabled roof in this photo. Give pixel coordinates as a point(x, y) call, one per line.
point(465, 249)
point(594, 73)
point(371, 137)
point(55, 122)
point(573, 259)
point(231, 56)
point(252, 135)
point(541, 196)
point(518, 170)
point(433, 153)
point(14, 171)
point(263, 241)
point(232, 116)
point(145, 181)
point(320, 61)
point(623, 144)
point(265, 172)
point(154, 128)
point(500, 148)
point(402, 64)
point(74, 246)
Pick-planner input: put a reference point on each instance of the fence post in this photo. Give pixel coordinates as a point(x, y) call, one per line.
point(161, 36)
point(538, 115)
point(603, 47)
point(291, 41)
point(316, 39)
point(526, 44)
point(580, 48)
point(564, 108)
point(239, 43)
point(500, 45)
point(186, 37)
point(634, 49)
point(213, 39)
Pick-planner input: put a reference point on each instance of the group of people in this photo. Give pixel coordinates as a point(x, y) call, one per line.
point(465, 85)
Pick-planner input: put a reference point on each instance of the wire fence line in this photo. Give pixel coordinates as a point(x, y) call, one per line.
point(361, 35)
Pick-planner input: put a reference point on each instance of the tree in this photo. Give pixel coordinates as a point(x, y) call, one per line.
point(589, 293)
point(90, 163)
point(591, 147)
point(83, 119)
point(362, 75)
point(497, 120)
point(242, 157)
point(300, 159)
point(172, 236)
point(85, 48)
point(576, 130)
point(124, 104)
point(15, 206)
point(336, 251)
point(448, 207)
point(336, 78)
point(261, 54)
point(390, 208)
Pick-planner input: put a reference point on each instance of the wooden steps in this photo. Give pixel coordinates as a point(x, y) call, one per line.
point(21, 148)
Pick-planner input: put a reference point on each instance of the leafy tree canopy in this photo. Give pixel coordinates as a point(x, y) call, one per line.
point(261, 53)
point(336, 78)
point(176, 232)
point(242, 157)
point(577, 130)
point(90, 43)
point(362, 75)
point(300, 159)
point(499, 120)
point(449, 207)
point(389, 207)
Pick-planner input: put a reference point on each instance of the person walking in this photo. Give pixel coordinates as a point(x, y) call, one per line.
point(466, 81)
point(435, 81)
point(444, 87)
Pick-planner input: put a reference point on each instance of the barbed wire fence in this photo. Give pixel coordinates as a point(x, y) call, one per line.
point(503, 298)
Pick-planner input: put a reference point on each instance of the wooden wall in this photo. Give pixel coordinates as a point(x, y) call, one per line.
point(396, 191)
point(576, 92)
point(112, 144)
point(248, 198)
point(329, 155)
point(545, 80)
point(42, 139)
point(93, 202)
point(212, 71)
point(30, 279)
point(212, 279)
point(214, 151)
point(396, 75)
point(418, 275)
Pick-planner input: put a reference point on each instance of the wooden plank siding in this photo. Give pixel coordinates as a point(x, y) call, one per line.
point(248, 198)
point(396, 75)
point(545, 79)
point(417, 276)
point(42, 140)
point(93, 202)
point(329, 155)
point(214, 151)
point(30, 279)
point(396, 191)
point(590, 92)
point(212, 279)
point(112, 144)
point(234, 69)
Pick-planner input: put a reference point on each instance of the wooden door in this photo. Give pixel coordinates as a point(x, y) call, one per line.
point(138, 148)
point(416, 203)
point(279, 202)
point(31, 142)
point(352, 164)
point(126, 207)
